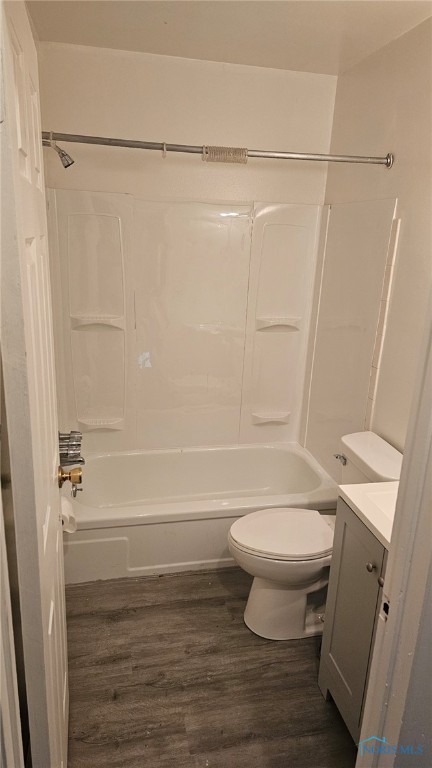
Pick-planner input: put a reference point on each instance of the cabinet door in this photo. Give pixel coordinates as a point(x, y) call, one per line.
point(350, 615)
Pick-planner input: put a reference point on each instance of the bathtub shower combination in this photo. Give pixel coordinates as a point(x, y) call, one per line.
point(152, 512)
point(181, 324)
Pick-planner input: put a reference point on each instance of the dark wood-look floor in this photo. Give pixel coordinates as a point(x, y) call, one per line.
point(163, 672)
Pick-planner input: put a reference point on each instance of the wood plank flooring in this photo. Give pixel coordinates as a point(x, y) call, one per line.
point(163, 672)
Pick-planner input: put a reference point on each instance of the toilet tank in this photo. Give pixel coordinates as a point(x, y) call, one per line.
point(370, 459)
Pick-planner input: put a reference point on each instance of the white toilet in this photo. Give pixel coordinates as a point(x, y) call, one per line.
point(288, 551)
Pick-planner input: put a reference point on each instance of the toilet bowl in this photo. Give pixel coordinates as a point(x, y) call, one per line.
point(288, 551)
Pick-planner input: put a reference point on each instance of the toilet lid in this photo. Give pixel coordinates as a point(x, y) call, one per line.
point(284, 533)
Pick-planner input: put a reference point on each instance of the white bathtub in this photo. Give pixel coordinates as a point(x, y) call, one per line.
point(150, 512)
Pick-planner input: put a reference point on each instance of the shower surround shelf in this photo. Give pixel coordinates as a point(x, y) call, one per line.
point(278, 324)
point(109, 321)
point(101, 423)
point(279, 417)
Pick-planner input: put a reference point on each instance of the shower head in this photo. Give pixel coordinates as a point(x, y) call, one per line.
point(66, 159)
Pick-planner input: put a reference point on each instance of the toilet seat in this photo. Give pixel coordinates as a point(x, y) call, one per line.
point(283, 533)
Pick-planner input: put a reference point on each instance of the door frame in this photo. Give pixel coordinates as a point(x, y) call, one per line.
point(12, 747)
point(409, 563)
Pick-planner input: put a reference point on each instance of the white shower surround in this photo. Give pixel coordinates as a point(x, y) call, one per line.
point(153, 512)
point(180, 323)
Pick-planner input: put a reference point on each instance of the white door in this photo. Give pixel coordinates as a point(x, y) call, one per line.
point(29, 383)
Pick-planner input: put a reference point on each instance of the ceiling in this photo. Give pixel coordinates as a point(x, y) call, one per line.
point(321, 36)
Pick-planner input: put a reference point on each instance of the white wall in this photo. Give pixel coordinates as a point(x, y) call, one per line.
point(355, 257)
point(159, 98)
point(384, 104)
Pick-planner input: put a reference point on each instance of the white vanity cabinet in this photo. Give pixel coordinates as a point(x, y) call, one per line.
point(353, 602)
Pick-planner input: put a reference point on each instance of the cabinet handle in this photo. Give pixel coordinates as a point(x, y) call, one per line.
point(380, 581)
point(370, 567)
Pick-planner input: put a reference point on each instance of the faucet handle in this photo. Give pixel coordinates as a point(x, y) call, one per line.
point(343, 459)
point(70, 448)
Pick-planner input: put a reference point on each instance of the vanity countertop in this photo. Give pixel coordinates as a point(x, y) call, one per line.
point(374, 504)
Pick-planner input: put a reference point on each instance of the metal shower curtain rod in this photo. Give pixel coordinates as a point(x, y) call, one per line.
point(387, 161)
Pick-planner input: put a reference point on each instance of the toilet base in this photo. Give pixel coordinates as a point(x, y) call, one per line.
point(278, 613)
